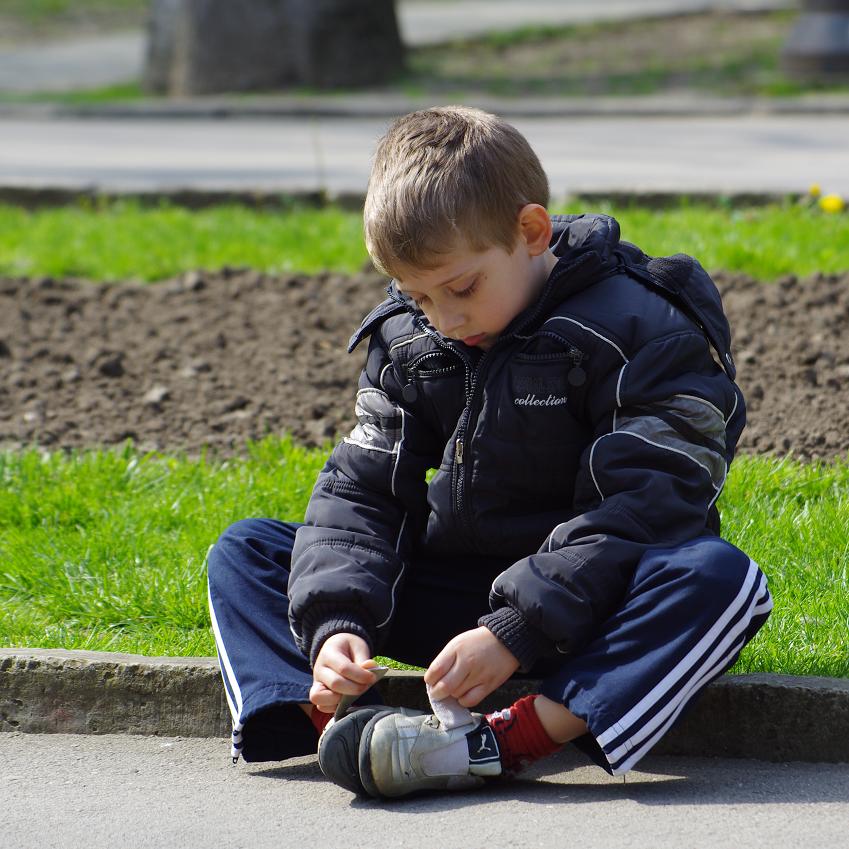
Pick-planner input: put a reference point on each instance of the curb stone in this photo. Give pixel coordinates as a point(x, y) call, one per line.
point(36, 197)
point(768, 717)
point(389, 105)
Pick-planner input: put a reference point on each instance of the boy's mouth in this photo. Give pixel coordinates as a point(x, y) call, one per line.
point(471, 341)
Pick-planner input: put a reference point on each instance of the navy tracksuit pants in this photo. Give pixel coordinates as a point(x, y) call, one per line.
point(687, 614)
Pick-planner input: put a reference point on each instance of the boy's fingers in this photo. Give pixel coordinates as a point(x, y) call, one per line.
point(360, 652)
point(339, 684)
point(473, 696)
point(322, 698)
point(341, 665)
point(440, 667)
point(450, 684)
point(439, 692)
point(356, 673)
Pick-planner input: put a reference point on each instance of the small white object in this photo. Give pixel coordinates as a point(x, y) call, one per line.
point(449, 712)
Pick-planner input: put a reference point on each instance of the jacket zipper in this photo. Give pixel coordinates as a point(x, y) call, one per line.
point(471, 379)
point(414, 368)
point(463, 445)
point(468, 387)
point(457, 472)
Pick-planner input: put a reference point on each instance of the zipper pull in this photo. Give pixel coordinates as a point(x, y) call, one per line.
point(458, 452)
point(409, 392)
point(577, 376)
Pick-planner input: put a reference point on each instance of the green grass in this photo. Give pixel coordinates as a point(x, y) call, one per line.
point(766, 241)
point(127, 240)
point(111, 241)
point(120, 92)
point(105, 549)
point(791, 519)
point(40, 11)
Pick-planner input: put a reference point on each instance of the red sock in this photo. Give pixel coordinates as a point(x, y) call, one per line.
point(520, 735)
point(319, 718)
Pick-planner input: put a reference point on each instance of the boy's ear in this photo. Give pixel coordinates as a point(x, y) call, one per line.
point(535, 227)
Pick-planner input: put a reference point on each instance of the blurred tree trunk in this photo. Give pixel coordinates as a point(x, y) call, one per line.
point(212, 46)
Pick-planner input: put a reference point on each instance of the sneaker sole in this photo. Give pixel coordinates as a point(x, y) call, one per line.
point(338, 748)
point(366, 777)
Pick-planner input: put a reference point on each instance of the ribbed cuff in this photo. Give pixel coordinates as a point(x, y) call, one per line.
point(526, 643)
point(318, 628)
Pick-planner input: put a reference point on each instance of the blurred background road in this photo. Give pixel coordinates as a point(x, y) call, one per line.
point(89, 61)
point(774, 154)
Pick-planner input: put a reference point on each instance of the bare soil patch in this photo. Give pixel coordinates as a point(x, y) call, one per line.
point(215, 359)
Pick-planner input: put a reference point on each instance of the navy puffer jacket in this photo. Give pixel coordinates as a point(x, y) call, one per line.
point(600, 424)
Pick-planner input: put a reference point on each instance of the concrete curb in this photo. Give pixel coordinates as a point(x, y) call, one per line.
point(387, 105)
point(768, 717)
point(39, 197)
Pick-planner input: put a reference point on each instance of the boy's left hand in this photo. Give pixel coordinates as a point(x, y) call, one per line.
point(470, 667)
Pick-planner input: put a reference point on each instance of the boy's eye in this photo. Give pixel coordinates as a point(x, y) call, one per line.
point(469, 290)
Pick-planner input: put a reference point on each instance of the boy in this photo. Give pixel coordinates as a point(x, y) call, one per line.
point(577, 402)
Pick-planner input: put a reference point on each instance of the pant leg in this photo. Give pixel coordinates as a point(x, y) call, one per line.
point(687, 614)
point(265, 675)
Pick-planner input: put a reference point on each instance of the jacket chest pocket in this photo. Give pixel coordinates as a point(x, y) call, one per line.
point(535, 402)
point(437, 379)
point(531, 421)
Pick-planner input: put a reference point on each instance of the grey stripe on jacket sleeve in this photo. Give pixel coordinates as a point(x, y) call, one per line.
point(379, 426)
point(685, 424)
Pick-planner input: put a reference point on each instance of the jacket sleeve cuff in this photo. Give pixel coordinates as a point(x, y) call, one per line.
point(323, 624)
point(526, 643)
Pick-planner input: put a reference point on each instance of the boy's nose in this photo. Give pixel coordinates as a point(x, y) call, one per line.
point(450, 322)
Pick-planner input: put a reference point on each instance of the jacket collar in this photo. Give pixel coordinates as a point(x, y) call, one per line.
point(584, 246)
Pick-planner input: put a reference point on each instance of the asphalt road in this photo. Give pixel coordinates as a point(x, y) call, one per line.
point(133, 792)
point(714, 154)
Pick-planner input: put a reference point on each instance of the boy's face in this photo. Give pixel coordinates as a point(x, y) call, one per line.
point(472, 296)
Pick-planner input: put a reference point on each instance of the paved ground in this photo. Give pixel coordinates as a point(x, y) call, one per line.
point(117, 57)
point(69, 791)
point(751, 153)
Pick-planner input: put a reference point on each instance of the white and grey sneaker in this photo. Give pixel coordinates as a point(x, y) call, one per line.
point(401, 754)
point(339, 743)
point(338, 747)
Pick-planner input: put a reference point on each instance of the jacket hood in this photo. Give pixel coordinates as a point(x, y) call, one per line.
point(575, 235)
point(585, 246)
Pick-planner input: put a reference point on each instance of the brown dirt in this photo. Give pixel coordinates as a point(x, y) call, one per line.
point(215, 359)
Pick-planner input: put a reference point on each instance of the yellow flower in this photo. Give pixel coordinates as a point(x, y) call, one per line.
point(832, 203)
point(814, 191)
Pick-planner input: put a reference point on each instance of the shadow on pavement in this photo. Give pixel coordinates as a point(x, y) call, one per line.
point(567, 778)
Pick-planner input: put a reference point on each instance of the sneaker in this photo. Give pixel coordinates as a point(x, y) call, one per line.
point(401, 754)
point(338, 745)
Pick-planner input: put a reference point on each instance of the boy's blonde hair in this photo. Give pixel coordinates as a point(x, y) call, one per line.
point(446, 178)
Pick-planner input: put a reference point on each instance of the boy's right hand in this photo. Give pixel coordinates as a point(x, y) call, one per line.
point(341, 669)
